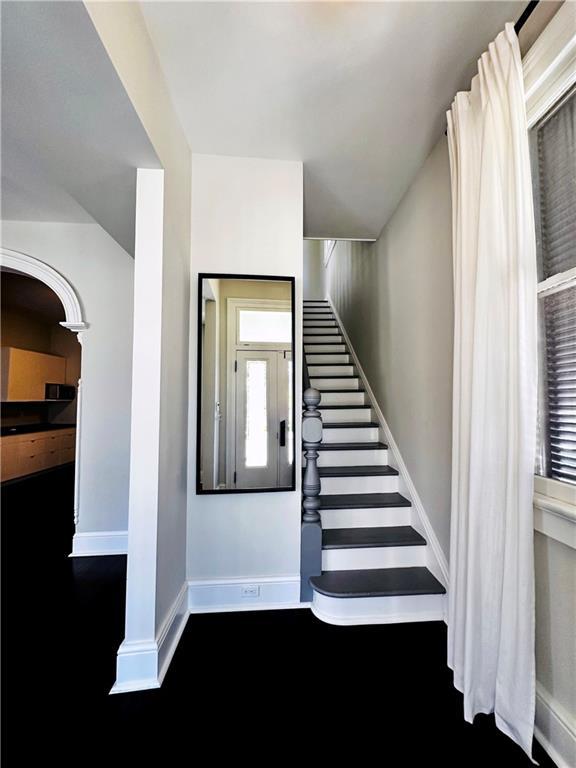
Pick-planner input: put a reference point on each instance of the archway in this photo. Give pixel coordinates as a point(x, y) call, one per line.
point(24, 264)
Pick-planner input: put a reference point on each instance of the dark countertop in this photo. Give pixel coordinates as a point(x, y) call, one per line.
point(25, 429)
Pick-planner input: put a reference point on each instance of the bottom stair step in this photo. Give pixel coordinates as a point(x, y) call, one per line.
point(380, 582)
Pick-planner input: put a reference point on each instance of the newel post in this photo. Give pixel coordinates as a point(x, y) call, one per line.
point(311, 541)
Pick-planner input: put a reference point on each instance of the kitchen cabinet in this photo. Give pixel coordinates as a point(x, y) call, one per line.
point(26, 373)
point(32, 452)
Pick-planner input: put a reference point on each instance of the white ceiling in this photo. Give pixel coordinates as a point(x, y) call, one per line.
point(71, 140)
point(358, 91)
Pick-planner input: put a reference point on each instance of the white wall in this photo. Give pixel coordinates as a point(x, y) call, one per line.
point(246, 219)
point(143, 659)
point(314, 272)
point(102, 274)
point(395, 299)
point(556, 646)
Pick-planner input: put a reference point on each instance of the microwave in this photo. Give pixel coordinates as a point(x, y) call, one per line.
point(60, 392)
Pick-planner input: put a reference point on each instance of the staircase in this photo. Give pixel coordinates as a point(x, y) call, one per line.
point(374, 562)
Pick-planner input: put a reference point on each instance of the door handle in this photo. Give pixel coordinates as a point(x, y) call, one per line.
point(283, 433)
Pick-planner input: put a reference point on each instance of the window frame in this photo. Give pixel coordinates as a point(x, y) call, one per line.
point(549, 74)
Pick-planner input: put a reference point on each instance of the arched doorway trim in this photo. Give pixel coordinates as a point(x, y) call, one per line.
point(28, 265)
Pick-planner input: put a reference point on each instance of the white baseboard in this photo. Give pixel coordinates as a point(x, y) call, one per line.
point(99, 543)
point(440, 567)
point(222, 595)
point(555, 729)
point(143, 665)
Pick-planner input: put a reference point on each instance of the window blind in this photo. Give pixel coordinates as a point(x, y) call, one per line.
point(554, 155)
point(560, 322)
point(557, 176)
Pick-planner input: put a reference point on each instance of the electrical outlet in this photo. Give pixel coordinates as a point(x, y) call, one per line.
point(251, 590)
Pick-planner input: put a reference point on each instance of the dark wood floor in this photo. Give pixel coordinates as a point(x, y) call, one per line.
point(258, 686)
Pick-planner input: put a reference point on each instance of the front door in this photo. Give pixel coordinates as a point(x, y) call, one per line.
point(263, 423)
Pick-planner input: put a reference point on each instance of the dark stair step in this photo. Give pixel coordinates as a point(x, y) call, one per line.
point(326, 365)
point(338, 424)
point(374, 470)
point(379, 582)
point(335, 376)
point(360, 538)
point(351, 446)
point(347, 391)
point(363, 500)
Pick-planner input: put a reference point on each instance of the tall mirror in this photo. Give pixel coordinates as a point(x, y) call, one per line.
point(245, 437)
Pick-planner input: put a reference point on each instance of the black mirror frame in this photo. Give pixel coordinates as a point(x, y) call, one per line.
point(222, 276)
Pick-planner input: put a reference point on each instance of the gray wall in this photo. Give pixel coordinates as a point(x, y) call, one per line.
point(314, 273)
point(395, 300)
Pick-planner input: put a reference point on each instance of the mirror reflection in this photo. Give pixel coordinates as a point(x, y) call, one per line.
point(246, 384)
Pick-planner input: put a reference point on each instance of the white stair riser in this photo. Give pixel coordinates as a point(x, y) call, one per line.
point(319, 323)
point(314, 330)
point(365, 558)
point(368, 484)
point(336, 359)
point(373, 517)
point(330, 370)
point(350, 435)
point(348, 383)
point(342, 398)
point(322, 308)
point(378, 610)
point(323, 339)
point(345, 414)
point(376, 457)
point(315, 303)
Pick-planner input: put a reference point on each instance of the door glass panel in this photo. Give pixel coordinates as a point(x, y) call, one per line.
point(265, 327)
point(290, 430)
point(256, 437)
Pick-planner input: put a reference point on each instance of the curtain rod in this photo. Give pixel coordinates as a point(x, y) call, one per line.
point(526, 13)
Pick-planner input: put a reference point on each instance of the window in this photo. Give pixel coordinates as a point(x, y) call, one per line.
point(553, 150)
point(264, 326)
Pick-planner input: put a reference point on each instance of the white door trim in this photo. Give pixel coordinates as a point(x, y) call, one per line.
point(232, 345)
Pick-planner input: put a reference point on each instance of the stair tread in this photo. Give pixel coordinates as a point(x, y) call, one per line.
point(351, 446)
point(347, 424)
point(357, 538)
point(378, 582)
point(360, 471)
point(341, 391)
point(362, 500)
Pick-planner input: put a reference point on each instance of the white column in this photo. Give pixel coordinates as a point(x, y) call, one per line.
point(137, 665)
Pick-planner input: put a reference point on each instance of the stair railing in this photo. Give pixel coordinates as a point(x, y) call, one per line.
point(311, 540)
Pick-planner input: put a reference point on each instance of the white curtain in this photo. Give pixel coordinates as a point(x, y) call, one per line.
point(491, 594)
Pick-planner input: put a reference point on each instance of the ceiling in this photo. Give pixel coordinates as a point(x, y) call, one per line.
point(71, 140)
point(358, 91)
point(26, 293)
